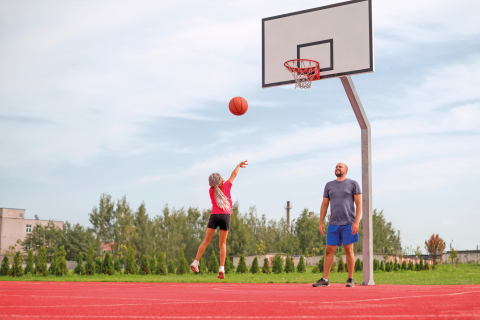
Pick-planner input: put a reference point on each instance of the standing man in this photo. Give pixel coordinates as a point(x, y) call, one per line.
point(344, 221)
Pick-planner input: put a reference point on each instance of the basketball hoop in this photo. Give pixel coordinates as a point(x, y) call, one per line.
point(303, 71)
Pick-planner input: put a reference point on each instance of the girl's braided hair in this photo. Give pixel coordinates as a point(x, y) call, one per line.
point(215, 180)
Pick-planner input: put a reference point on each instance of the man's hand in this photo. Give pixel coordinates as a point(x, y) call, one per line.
point(355, 227)
point(322, 228)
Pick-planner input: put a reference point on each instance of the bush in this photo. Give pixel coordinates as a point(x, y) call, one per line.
point(29, 266)
point(395, 265)
point(277, 264)
point(361, 265)
point(416, 266)
point(333, 268)
point(341, 266)
point(427, 267)
point(117, 266)
point(301, 265)
point(421, 267)
point(254, 267)
point(181, 264)
point(5, 269)
point(108, 265)
point(410, 265)
point(171, 267)
point(357, 265)
point(376, 265)
point(145, 266)
point(53, 264)
point(404, 265)
point(321, 264)
point(382, 266)
point(387, 267)
point(289, 266)
point(98, 266)
point(89, 266)
point(315, 269)
point(17, 270)
point(130, 263)
point(62, 269)
point(153, 263)
point(266, 266)
point(186, 265)
point(161, 268)
point(242, 265)
point(79, 267)
point(229, 267)
point(41, 263)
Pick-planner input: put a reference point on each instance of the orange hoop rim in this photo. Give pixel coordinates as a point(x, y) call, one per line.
point(302, 70)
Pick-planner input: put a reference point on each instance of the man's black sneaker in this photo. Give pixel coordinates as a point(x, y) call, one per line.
point(350, 282)
point(321, 283)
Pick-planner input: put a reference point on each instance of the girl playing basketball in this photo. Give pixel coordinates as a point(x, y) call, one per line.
point(220, 216)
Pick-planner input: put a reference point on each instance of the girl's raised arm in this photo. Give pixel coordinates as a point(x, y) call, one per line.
point(242, 164)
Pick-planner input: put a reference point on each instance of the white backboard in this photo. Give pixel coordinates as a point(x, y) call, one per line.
point(338, 36)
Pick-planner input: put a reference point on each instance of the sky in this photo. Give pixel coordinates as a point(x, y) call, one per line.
point(131, 98)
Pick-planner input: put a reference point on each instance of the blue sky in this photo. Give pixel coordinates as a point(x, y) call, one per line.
point(131, 98)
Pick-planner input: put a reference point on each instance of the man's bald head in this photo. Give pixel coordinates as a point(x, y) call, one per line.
point(341, 170)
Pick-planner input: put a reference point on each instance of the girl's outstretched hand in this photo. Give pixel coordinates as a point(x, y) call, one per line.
point(243, 164)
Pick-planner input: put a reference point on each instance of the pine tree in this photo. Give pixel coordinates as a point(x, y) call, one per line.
point(321, 264)
point(254, 267)
point(376, 265)
point(29, 266)
point(361, 265)
point(181, 264)
point(213, 263)
point(301, 265)
point(145, 266)
point(171, 267)
point(421, 267)
point(404, 265)
point(382, 266)
point(108, 265)
point(416, 266)
point(161, 268)
point(89, 266)
point(242, 265)
point(410, 265)
point(153, 263)
point(186, 265)
point(98, 266)
point(387, 267)
point(333, 268)
point(357, 264)
point(289, 264)
point(228, 265)
point(130, 263)
point(277, 264)
point(53, 264)
point(427, 267)
point(117, 266)
point(5, 269)
point(62, 269)
point(395, 265)
point(41, 263)
point(17, 270)
point(266, 266)
point(79, 267)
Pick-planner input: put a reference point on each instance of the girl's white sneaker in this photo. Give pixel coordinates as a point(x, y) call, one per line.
point(194, 268)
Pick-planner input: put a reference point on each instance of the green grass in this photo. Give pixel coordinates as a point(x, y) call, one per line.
point(443, 275)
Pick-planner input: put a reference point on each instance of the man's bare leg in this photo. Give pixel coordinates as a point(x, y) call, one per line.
point(329, 257)
point(350, 259)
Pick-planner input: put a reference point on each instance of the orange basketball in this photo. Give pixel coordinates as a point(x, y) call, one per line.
point(238, 106)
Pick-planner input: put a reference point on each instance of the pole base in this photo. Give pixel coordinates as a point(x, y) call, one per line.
point(370, 283)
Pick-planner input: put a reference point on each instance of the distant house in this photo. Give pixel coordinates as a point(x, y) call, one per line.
point(464, 256)
point(108, 247)
point(14, 226)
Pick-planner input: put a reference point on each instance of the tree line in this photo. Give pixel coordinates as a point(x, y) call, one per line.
point(117, 223)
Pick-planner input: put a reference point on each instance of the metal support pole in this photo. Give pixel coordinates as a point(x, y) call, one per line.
point(366, 179)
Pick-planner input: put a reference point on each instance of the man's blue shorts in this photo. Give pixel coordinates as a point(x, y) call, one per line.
point(338, 235)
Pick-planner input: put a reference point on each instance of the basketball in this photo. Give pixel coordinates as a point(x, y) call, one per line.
point(238, 106)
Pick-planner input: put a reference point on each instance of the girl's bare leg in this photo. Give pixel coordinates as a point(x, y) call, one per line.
point(223, 246)
point(208, 237)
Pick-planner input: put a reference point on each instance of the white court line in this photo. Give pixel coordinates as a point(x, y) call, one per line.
point(384, 316)
point(275, 301)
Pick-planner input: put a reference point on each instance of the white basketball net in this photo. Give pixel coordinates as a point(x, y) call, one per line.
point(303, 71)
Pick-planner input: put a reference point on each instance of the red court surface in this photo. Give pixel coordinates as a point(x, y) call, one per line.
point(69, 300)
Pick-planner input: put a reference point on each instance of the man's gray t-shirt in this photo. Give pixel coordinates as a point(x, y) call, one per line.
point(341, 194)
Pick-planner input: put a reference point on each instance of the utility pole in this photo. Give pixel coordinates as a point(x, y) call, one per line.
point(288, 207)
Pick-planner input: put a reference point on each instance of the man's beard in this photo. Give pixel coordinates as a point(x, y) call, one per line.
point(338, 174)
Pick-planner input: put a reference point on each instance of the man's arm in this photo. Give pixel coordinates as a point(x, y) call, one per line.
point(358, 212)
point(235, 172)
point(323, 213)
